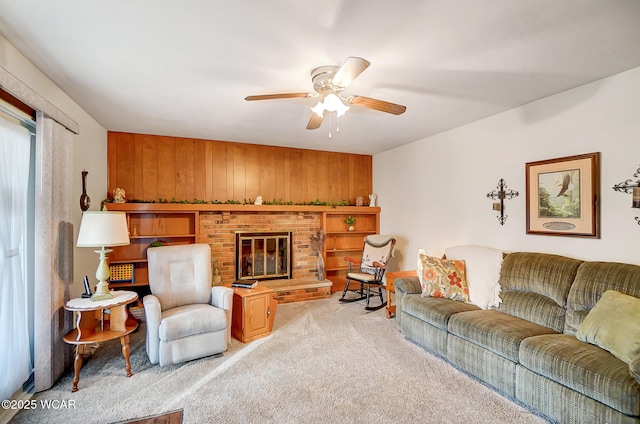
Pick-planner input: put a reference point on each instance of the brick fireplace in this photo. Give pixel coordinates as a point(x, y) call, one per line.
point(219, 230)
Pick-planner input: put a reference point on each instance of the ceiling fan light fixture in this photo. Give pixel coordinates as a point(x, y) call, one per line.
point(318, 109)
point(332, 103)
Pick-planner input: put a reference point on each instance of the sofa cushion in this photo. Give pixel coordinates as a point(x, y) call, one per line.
point(189, 320)
point(499, 332)
point(534, 287)
point(593, 279)
point(434, 310)
point(583, 367)
point(443, 278)
point(614, 325)
point(535, 308)
point(482, 271)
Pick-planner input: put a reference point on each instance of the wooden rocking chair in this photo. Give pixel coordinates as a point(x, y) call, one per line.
point(369, 270)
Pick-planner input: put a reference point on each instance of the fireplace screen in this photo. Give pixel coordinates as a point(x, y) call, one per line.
point(263, 255)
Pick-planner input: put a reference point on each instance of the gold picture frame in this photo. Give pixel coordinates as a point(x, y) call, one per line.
point(563, 196)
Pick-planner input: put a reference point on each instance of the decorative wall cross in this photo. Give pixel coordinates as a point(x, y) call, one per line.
point(633, 188)
point(501, 194)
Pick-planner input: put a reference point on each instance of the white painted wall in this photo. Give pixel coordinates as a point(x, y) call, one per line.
point(90, 149)
point(433, 191)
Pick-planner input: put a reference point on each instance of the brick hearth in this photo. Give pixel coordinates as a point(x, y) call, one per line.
point(299, 289)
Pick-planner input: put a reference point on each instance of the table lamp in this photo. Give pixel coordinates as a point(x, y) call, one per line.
point(103, 229)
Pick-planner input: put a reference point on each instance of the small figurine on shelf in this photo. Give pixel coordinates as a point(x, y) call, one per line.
point(258, 201)
point(350, 221)
point(119, 195)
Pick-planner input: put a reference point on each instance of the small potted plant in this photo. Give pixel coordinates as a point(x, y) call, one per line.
point(350, 221)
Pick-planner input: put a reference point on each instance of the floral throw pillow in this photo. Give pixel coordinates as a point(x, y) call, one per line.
point(444, 278)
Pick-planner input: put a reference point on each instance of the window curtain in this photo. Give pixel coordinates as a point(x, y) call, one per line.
point(53, 256)
point(15, 356)
point(54, 250)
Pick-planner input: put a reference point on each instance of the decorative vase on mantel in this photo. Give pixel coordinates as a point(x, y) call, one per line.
point(320, 268)
point(317, 243)
point(216, 273)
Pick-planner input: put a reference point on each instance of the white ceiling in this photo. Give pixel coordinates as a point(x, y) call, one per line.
point(183, 68)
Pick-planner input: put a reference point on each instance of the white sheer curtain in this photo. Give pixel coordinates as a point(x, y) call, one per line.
point(15, 359)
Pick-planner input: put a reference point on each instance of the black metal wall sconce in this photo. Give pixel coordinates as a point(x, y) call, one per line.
point(633, 188)
point(501, 194)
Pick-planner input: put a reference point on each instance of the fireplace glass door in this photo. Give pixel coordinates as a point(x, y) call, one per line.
point(263, 255)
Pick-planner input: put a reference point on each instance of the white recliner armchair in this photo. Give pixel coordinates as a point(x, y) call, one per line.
point(186, 317)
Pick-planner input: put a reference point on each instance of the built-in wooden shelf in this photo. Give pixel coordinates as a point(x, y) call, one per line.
point(178, 223)
point(340, 242)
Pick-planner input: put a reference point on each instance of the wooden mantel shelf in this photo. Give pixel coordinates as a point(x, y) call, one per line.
point(209, 207)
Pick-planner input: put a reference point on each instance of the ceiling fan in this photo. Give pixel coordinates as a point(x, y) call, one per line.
point(329, 82)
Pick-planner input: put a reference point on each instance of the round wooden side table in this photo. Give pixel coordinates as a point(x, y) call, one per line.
point(91, 327)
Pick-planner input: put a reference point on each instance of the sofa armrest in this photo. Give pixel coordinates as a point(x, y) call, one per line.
point(153, 316)
point(408, 285)
point(222, 297)
point(403, 287)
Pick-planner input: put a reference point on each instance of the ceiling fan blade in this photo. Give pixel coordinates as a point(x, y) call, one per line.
point(376, 104)
point(350, 69)
point(314, 122)
point(279, 96)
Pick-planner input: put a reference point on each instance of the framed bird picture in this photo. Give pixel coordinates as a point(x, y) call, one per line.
point(563, 196)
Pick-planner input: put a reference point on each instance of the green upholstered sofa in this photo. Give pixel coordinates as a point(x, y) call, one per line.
point(527, 348)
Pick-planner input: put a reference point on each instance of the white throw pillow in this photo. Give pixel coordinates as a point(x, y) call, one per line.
point(483, 273)
point(419, 266)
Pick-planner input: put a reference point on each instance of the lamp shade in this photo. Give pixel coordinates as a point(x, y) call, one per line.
point(102, 229)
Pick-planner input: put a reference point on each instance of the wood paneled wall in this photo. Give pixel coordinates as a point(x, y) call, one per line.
point(151, 167)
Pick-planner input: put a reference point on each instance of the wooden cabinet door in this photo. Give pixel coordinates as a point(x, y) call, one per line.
point(257, 313)
point(253, 313)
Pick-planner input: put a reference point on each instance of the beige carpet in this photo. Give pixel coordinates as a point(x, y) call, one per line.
point(326, 362)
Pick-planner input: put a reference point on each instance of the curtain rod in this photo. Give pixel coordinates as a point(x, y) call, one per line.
point(22, 92)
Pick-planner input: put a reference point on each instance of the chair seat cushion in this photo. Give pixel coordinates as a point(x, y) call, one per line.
point(190, 320)
point(363, 276)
